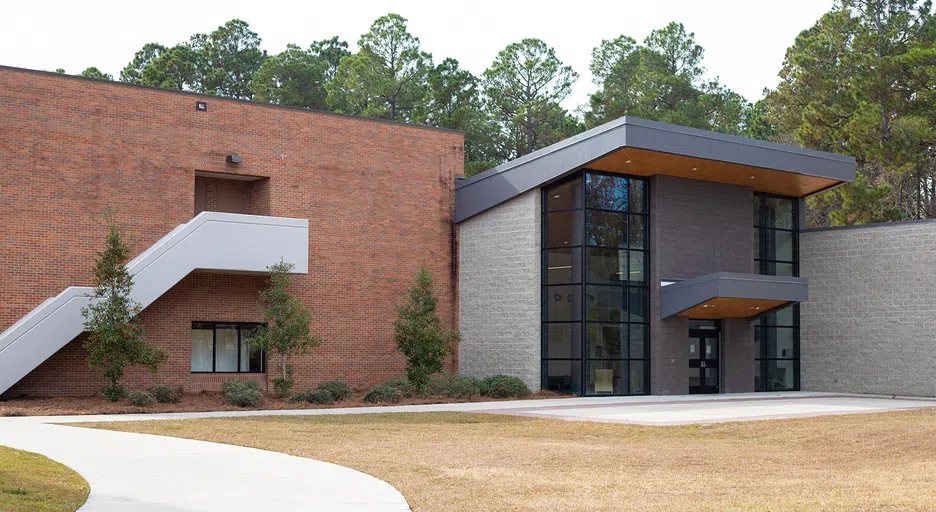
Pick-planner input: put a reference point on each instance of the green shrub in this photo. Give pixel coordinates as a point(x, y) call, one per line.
point(115, 335)
point(114, 392)
point(141, 399)
point(420, 334)
point(286, 327)
point(242, 393)
point(339, 390)
point(405, 387)
point(320, 396)
point(164, 394)
point(503, 386)
point(302, 396)
point(452, 386)
point(282, 386)
point(383, 394)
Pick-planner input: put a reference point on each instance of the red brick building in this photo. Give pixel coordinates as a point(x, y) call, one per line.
point(634, 258)
point(378, 199)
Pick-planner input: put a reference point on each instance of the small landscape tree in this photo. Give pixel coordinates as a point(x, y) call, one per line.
point(286, 330)
point(115, 335)
point(419, 333)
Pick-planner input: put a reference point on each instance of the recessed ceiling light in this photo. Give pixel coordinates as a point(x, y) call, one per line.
point(752, 177)
point(556, 196)
point(695, 168)
point(627, 161)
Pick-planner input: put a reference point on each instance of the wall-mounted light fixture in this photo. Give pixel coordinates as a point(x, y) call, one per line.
point(201, 106)
point(234, 159)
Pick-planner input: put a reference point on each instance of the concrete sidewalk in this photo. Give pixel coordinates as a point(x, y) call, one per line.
point(141, 472)
point(644, 410)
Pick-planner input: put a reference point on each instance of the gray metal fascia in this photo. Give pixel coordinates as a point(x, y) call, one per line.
point(679, 140)
point(500, 184)
point(678, 297)
point(486, 190)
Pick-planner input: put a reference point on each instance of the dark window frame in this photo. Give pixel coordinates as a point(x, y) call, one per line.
point(241, 328)
point(765, 324)
point(580, 364)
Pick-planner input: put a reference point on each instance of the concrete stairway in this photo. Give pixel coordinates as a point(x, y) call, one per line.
point(210, 241)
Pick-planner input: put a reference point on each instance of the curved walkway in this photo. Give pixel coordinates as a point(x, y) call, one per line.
point(153, 473)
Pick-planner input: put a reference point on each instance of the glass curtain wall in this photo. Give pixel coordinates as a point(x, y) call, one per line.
point(776, 230)
point(595, 289)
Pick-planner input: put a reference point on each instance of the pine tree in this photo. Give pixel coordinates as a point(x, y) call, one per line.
point(286, 329)
point(115, 335)
point(419, 333)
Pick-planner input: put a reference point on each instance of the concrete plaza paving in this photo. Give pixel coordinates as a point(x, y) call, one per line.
point(129, 471)
point(686, 410)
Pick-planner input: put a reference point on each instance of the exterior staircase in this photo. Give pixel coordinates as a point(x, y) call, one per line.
point(210, 241)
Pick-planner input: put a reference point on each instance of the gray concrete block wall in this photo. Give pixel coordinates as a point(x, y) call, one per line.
point(869, 325)
point(696, 228)
point(499, 291)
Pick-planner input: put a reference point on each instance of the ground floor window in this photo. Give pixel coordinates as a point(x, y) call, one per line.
point(222, 348)
point(777, 366)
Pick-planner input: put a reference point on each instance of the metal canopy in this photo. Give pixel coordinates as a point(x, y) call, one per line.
point(730, 295)
point(486, 190)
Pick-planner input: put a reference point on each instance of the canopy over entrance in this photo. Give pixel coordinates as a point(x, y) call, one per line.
point(730, 295)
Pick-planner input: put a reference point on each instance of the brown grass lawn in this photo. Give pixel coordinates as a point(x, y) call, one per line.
point(458, 461)
point(31, 482)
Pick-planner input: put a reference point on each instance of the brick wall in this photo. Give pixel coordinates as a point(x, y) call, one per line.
point(696, 228)
point(499, 302)
point(378, 196)
point(870, 323)
point(232, 196)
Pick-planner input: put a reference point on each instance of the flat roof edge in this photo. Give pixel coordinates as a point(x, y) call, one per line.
point(724, 137)
point(225, 98)
point(506, 181)
point(544, 152)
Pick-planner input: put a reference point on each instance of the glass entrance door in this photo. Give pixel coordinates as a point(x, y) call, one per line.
point(703, 357)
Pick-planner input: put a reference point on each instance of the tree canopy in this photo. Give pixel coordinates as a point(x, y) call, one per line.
point(522, 91)
point(386, 78)
point(859, 82)
point(662, 80)
point(294, 77)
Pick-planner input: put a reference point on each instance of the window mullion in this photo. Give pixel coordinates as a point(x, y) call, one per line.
point(583, 327)
point(214, 345)
point(239, 341)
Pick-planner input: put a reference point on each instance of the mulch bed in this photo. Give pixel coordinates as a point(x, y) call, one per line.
point(198, 402)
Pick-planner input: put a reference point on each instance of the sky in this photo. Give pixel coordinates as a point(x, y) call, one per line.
point(744, 40)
